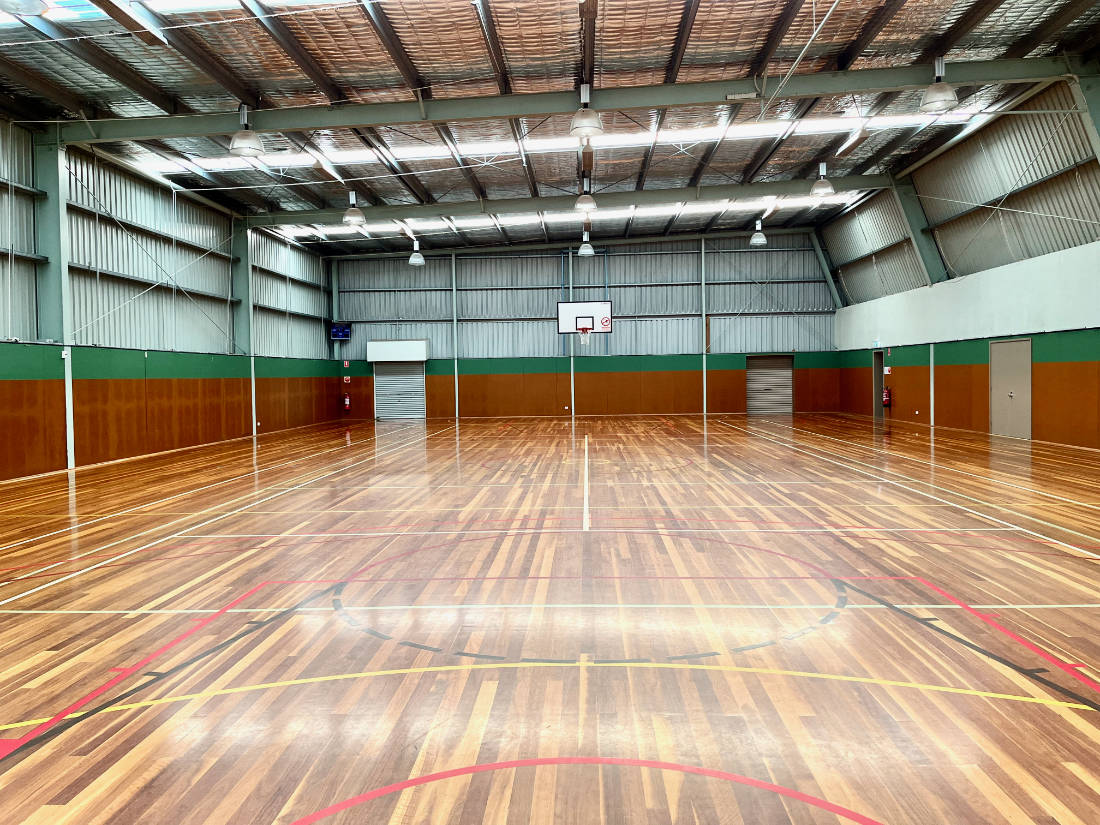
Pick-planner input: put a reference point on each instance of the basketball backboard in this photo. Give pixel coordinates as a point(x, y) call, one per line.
point(574, 316)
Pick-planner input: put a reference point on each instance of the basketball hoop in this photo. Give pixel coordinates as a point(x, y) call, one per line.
point(585, 334)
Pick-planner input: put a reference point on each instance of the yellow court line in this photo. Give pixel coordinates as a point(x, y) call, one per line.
point(517, 665)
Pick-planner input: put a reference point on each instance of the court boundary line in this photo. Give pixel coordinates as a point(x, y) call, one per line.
point(840, 459)
point(174, 496)
point(163, 539)
point(936, 466)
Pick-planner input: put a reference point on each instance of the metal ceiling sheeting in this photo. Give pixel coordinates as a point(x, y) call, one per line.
point(391, 50)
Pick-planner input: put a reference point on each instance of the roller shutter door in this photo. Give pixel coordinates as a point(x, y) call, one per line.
point(398, 390)
point(770, 384)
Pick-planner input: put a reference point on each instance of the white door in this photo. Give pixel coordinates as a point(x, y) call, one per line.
point(770, 384)
point(1010, 388)
point(399, 389)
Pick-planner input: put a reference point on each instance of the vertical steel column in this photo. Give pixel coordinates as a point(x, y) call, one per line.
point(826, 270)
point(928, 250)
point(454, 322)
point(572, 338)
point(931, 385)
point(703, 314)
point(332, 269)
point(241, 285)
point(1086, 94)
point(51, 227)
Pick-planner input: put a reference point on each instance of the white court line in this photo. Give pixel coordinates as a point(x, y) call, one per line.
point(587, 511)
point(612, 605)
point(253, 472)
point(940, 467)
point(210, 521)
point(973, 512)
point(531, 531)
point(721, 483)
point(149, 530)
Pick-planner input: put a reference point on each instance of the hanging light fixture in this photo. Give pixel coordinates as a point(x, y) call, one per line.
point(245, 143)
point(821, 187)
point(939, 96)
point(586, 203)
point(354, 215)
point(758, 237)
point(416, 259)
point(586, 122)
point(24, 8)
point(585, 250)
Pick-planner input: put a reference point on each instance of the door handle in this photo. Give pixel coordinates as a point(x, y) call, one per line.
point(1011, 395)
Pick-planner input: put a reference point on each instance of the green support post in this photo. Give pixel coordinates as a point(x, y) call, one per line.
point(334, 286)
point(1086, 92)
point(51, 227)
point(826, 269)
point(241, 285)
point(923, 240)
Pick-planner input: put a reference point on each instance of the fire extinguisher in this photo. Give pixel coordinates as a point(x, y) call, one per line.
point(347, 402)
point(886, 395)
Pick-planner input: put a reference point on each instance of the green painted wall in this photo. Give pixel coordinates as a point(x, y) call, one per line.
point(1046, 347)
point(510, 366)
point(297, 368)
point(30, 362)
point(909, 356)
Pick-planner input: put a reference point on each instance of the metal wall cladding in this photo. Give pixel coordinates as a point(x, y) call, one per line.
point(18, 310)
point(887, 271)
point(98, 185)
point(768, 296)
point(1010, 153)
point(508, 339)
point(509, 270)
point(493, 304)
point(652, 336)
point(16, 154)
point(16, 220)
point(439, 334)
point(280, 255)
point(408, 305)
point(1057, 214)
point(785, 256)
point(98, 243)
point(873, 225)
point(116, 312)
point(281, 335)
point(774, 333)
point(268, 289)
point(394, 273)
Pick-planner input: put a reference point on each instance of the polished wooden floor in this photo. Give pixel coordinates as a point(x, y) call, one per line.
point(622, 620)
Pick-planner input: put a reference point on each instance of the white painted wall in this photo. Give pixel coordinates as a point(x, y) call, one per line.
point(1052, 292)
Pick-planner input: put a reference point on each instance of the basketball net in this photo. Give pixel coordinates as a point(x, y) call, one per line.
point(585, 336)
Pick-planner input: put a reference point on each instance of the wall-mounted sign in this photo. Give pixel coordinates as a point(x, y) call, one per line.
point(347, 379)
point(347, 364)
point(886, 370)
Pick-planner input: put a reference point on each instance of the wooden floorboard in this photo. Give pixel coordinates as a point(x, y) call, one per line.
point(780, 621)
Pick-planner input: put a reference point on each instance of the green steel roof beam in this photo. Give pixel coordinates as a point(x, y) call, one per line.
point(923, 240)
point(646, 197)
point(665, 95)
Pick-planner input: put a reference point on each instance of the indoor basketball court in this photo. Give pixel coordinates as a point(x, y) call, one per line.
point(625, 411)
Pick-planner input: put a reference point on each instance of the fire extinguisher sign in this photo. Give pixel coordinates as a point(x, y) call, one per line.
point(347, 379)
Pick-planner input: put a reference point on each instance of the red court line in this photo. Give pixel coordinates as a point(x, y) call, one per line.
point(790, 793)
point(1071, 669)
point(9, 745)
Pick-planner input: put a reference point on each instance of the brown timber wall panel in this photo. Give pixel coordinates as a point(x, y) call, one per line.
point(32, 420)
point(1065, 402)
point(361, 390)
point(909, 401)
point(962, 396)
point(109, 419)
point(639, 393)
point(183, 412)
point(726, 391)
point(526, 394)
point(440, 395)
point(816, 390)
point(855, 387)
